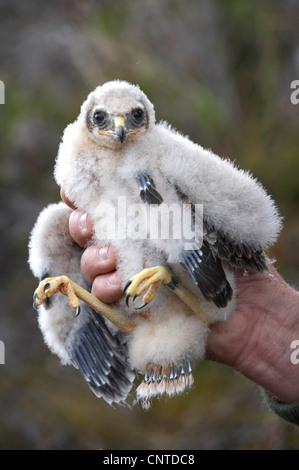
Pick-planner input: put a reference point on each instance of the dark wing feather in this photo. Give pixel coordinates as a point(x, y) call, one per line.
point(101, 357)
point(207, 273)
point(237, 255)
point(148, 191)
point(205, 267)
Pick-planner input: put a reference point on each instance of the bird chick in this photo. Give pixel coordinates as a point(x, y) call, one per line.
point(129, 173)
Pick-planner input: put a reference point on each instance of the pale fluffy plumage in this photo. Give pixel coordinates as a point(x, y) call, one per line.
point(95, 170)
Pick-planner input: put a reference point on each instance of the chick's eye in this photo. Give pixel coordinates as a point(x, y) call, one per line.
point(99, 118)
point(137, 115)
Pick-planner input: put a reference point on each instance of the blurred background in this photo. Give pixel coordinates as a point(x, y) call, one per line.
point(218, 71)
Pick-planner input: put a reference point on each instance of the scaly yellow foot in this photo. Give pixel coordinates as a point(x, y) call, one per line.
point(151, 278)
point(74, 292)
point(50, 286)
point(147, 280)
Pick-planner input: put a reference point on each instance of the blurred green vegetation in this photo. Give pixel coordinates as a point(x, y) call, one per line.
point(219, 72)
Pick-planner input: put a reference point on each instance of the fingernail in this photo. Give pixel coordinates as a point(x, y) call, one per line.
point(82, 221)
point(103, 252)
point(112, 279)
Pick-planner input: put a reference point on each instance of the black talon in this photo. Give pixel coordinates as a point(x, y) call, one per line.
point(173, 284)
point(141, 306)
point(127, 285)
point(78, 309)
point(46, 286)
point(127, 300)
point(47, 303)
point(135, 297)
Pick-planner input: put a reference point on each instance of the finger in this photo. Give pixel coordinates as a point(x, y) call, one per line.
point(80, 227)
point(66, 199)
point(96, 261)
point(107, 287)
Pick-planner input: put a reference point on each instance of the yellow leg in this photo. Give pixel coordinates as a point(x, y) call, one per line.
point(151, 278)
point(193, 303)
point(73, 291)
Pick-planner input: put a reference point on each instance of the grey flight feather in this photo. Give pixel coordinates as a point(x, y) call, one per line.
point(101, 356)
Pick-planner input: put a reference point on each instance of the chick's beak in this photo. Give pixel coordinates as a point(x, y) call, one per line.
point(119, 126)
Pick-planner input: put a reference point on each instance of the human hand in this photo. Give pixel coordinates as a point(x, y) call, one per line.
point(256, 338)
point(98, 265)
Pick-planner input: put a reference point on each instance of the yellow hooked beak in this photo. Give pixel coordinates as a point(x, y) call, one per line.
point(120, 130)
point(119, 126)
